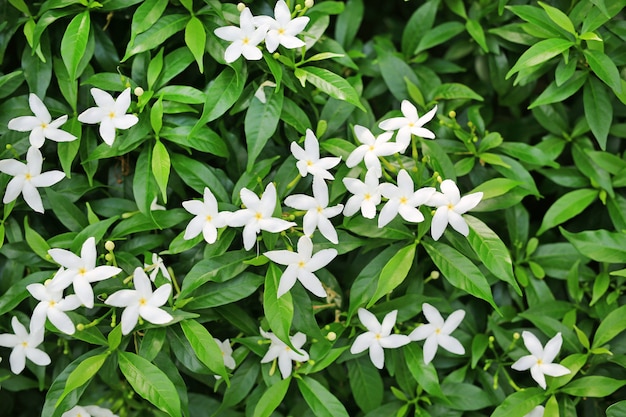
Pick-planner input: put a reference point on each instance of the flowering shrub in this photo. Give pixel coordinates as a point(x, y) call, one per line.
point(268, 209)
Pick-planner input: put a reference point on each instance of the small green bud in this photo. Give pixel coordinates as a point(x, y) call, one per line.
point(332, 336)
point(109, 257)
point(80, 327)
point(434, 275)
point(515, 336)
point(452, 114)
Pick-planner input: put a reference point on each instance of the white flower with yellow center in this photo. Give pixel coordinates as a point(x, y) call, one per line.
point(301, 266)
point(282, 30)
point(27, 178)
point(403, 200)
point(450, 207)
point(24, 346)
point(437, 332)
point(371, 149)
point(110, 113)
point(410, 124)
point(309, 161)
point(80, 271)
point(53, 306)
point(207, 219)
point(540, 359)
point(244, 38)
point(366, 195)
point(141, 302)
point(378, 336)
point(285, 355)
point(40, 126)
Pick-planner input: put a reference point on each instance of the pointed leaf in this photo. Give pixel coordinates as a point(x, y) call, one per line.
point(271, 398)
point(566, 207)
point(74, 43)
point(320, 400)
point(394, 272)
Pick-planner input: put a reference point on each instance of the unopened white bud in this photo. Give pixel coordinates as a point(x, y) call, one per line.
point(241, 7)
point(138, 91)
point(109, 245)
point(308, 3)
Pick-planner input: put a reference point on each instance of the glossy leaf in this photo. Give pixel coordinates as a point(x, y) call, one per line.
point(82, 374)
point(260, 124)
point(540, 53)
point(271, 398)
point(599, 245)
point(205, 347)
point(394, 272)
point(278, 310)
point(74, 43)
point(320, 400)
point(566, 207)
point(330, 83)
point(598, 110)
point(195, 38)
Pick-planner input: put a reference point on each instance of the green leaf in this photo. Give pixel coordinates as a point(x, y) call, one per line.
point(37, 243)
point(348, 23)
point(156, 116)
point(260, 124)
point(438, 35)
point(556, 92)
point(604, 68)
point(154, 69)
point(67, 213)
point(599, 245)
point(74, 43)
point(205, 347)
point(218, 268)
point(157, 34)
point(278, 311)
point(330, 83)
point(198, 175)
point(476, 31)
point(195, 38)
point(460, 271)
point(491, 251)
point(271, 398)
point(366, 384)
point(320, 400)
point(593, 386)
point(617, 410)
point(203, 139)
point(150, 382)
point(419, 24)
point(144, 185)
point(566, 207)
point(182, 94)
point(219, 294)
point(82, 374)
point(520, 403)
point(612, 325)
point(222, 93)
point(161, 167)
point(598, 110)
point(540, 53)
point(147, 15)
point(466, 397)
point(425, 375)
point(394, 272)
point(454, 91)
point(559, 18)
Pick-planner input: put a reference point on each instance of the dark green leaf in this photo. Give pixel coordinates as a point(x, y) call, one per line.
point(320, 400)
point(74, 43)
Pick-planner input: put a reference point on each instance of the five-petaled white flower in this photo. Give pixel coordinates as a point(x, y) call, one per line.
point(540, 359)
point(282, 30)
point(366, 195)
point(257, 215)
point(227, 353)
point(141, 302)
point(403, 200)
point(40, 125)
point(437, 332)
point(371, 149)
point(285, 354)
point(27, 178)
point(24, 346)
point(378, 336)
point(156, 266)
point(318, 212)
point(80, 271)
point(207, 219)
point(88, 411)
point(450, 206)
point(53, 306)
point(244, 38)
point(110, 113)
point(309, 161)
point(410, 124)
point(301, 266)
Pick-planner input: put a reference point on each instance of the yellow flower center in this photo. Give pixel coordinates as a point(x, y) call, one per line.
point(245, 40)
point(378, 336)
point(209, 218)
point(142, 301)
point(44, 125)
point(301, 264)
point(52, 303)
point(371, 147)
point(450, 206)
point(403, 200)
point(438, 331)
point(25, 344)
point(281, 31)
point(28, 177)
point(258, 215)
point(82, 271)
point(309, 163)
point(411, 124)
point(539, 361)
point(111, 115)
point(367, 196)
point(320, 209)
point(287, 348)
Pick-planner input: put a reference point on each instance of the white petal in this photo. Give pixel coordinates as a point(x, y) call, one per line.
point(432, 315)
point(17, 359)
point(524, 363)
point(430, 348)
point(14, 189)
point(552, 348)
point(451, 344)
point(194, 228)
point(122, 103)
point(284, 365)
point(362, 342)
point(84, 292)
point(532, 344)
point(453, 321)
point(394, 341)
point(130, 315)
point(377, 355)
point(538, 376)
point(37, 356)
point(102, 98)
point(107, 131)
point(439, 222)
point(388, 322)
point(38, 108)
point(47, 178)
point(422, 332)
point(369, 321)
point(32, 197)
point(449, 188)
point(92, 115)
point(408, 110)
point(468, 202)
point(125, 121)
point(554, 369)
point(61, 321)
point(155, 315)
point(321, 259)
point(311, 283)
point(287, 280)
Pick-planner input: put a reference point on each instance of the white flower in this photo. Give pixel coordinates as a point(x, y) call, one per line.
point(110, 113)
point(283, 29)
point(156, 266)
point(450, 206)
point(301, 265)
point(88, 411)
point(403, 200)
point(318, 212)
point(40, 125)
point(141, 302)
point(244, 38)
point(410, 124)
point(53, 306)
point(154, 206)
point(366, 195)
point(227, 353)
point(24, 346)
point(309, 161)
point(540, 359)
point(536, 412)
point(207, 219)
point(437, 332)
point(257, 215)
point(372, 147)
point(378, 336)
point(80, 271)
point(278, 349)
point(27, 178)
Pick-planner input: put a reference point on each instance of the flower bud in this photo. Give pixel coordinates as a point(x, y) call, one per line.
point(297, 8)
point(80, 327)
point(308, 3)
point(109, 257)
point(8, 146)
point(434, 275)
point(275, 55)
point(109, 245)
point(138, 91)
point(241, 7)
point(515, 335)
point(439, 179)
point(332, 336)
point(452, 114)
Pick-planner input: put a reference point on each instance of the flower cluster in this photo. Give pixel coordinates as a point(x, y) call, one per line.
point(279, 30)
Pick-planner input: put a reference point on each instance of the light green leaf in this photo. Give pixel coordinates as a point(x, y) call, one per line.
point(74, 43)
point(476, 31)
point(157, 34)
point(520, 403)
point(555, 92)
point(260, 123)
point(460, 271)
point(566, 207)
point(156, 116)
point(425, 375)
point(598, 110)
point(593, 386)
point(612, 325)
point(278, 311)
point(150, 382)
point(205, 347)
point(617, 410)
point(37, 243)
point(320, 400)
point(454, 91)
point(195, 38)
point(540, 53)
point(559, 18)
point(604, 68)
point(271, 398)
point(438, 35)
point(330, 83)
point(161, 167)
point(365, 383)
point(599, 245)
point(82, 374)
point(394, 272)
point(147, 15)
